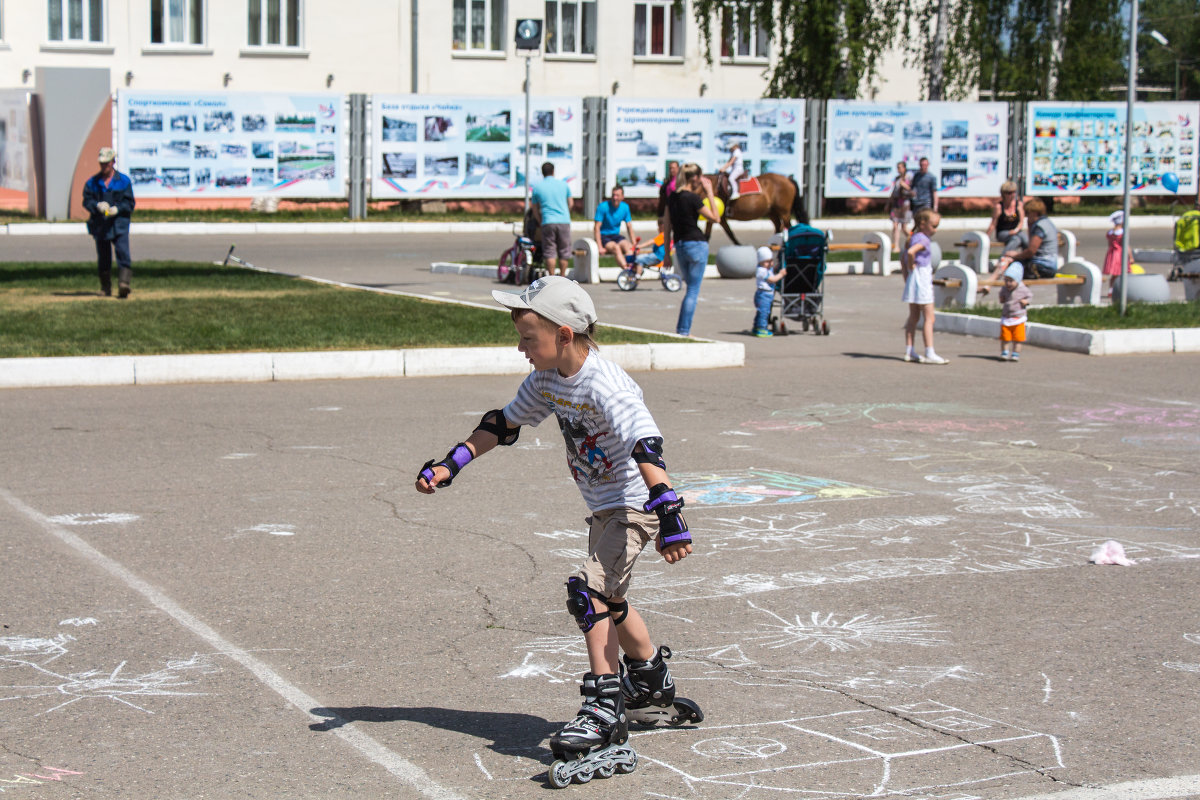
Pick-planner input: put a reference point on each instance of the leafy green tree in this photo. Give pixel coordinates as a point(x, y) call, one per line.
point(824, 48)
point(1178, 21)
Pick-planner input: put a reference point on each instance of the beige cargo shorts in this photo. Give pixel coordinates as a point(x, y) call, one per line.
point(616, 537)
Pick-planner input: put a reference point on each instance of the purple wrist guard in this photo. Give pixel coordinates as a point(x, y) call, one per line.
point(454, 461)
point(672, 528)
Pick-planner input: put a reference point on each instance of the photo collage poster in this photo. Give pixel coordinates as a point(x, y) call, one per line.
point(16, 147)
point(645, 135)
point(1079, 148)
point(966, 144)
point(232, 144)
point(433, 146)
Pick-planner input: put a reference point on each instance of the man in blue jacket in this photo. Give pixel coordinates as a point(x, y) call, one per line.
point(108, 198)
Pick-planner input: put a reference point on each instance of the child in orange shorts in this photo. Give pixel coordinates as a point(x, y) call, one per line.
point(1014, 298)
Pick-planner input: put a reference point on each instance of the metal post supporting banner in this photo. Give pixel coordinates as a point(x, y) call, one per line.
point(1131, 96)
point(1017, 144)
point(814, 154)
point(528, 183)
point(358, 157)
point(595, 153)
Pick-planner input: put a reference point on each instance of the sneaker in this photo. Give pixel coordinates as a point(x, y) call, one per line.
point(933, 359)
point(911, 358)
point(1015, 357)
point(1005, 355)
point(763, 333)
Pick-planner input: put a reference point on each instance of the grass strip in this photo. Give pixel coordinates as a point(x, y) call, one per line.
point(53, 309)
point(1096, 318)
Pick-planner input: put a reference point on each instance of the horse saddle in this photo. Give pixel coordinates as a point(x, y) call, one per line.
point(748, 186)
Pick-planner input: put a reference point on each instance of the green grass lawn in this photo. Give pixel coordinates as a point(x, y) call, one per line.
point(1094, 318)
point(54, 309)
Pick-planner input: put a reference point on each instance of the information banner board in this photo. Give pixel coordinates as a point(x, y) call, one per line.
point(232, 144)
point(16, 149)
point(1079, 148)
point(442, 146)
point(966, 144)
point(643, 136)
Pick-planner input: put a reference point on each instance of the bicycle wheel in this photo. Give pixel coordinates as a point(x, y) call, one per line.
point(627, 281)
point(672, 282)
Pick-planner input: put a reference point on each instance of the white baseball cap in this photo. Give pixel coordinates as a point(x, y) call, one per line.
point(765, 254)
point(558, 299)
point(107, 154)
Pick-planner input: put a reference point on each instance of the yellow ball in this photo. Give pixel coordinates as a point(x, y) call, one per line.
point(720, 208)
point(1136, 269)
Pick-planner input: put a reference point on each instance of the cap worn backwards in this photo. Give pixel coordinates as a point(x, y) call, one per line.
point(558, 299)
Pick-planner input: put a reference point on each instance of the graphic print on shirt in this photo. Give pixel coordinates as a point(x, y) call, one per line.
point(588, 461)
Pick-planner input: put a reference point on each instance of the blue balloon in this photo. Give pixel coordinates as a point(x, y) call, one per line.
point(1171, 181)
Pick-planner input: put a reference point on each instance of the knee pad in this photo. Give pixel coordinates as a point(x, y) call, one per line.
point(579, 604)
point(618, 611)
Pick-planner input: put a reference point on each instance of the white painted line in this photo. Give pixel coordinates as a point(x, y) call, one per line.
point(393, 763)
point(1151, 789)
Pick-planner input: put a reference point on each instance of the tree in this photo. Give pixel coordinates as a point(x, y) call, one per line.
point(1178, 21)
point(824, 48)
point(1008, 49)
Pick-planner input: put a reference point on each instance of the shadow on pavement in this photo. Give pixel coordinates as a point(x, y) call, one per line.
point(507, 731)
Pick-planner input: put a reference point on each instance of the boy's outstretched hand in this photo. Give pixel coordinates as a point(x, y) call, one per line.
point(676, 552)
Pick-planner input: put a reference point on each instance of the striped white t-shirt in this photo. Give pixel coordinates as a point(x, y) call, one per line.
point(602, 416)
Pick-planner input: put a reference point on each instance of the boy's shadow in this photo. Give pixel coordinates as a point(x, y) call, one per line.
point(508, 732)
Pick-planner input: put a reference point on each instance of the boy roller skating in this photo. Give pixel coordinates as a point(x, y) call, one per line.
point(615, 454)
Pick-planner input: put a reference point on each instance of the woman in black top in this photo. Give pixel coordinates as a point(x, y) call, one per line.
point(1008, 219)
point(684, 209)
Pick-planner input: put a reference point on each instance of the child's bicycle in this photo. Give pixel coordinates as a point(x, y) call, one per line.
point(517, 262)
point(628, 280)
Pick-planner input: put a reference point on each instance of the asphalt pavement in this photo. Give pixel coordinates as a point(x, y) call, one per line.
point(233, 590)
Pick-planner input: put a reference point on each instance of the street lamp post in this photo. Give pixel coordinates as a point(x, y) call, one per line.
point(1130, 96)
point(529, 41)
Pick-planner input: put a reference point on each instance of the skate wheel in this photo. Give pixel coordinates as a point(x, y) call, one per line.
point(628, 766)
point(584, 777)
point(607, 770)
point(559, 775)
point(685, 711)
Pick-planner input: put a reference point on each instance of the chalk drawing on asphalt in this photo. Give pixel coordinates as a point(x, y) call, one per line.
point(1183, 666)
point(1008, 496)
point(94, 519)
point(817, 629)
point(79, 622)
point(806, 530)
point(268, 528)
point(823, 414)
point(761, 486)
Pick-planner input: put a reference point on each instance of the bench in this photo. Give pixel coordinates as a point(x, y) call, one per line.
point(955, 284)
point(876, 249)
point(975, 250)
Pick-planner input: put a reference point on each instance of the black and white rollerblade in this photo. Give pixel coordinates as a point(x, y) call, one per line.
point(594, 742)
point(650, 693)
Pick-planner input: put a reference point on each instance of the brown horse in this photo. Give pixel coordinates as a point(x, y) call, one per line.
point(779, 200)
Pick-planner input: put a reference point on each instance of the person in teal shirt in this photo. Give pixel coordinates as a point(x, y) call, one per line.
point(551, 199)
point(607, 234)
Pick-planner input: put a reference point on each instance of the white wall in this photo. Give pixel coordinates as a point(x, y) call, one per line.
point(366, 46)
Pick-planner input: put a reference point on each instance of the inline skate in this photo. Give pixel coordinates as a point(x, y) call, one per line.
point(649, 692)
point(594, 742)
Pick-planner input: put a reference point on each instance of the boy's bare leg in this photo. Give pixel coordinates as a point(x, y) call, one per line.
point(634, 637)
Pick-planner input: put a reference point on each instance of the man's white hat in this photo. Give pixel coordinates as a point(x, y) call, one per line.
point(107, 154)
point(558, 299)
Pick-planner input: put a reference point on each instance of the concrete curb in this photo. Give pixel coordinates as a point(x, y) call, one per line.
point(315, 228)
point(1078, 340)
point(24, 373)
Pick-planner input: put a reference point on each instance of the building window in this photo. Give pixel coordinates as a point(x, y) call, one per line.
point(658, 29)
point(177, 21)
point(743, 37)
point(274, 23)
point(571, 28)
point(76, 20)
point(479, 25)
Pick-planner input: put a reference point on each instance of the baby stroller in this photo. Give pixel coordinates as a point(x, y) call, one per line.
point(801, 293)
